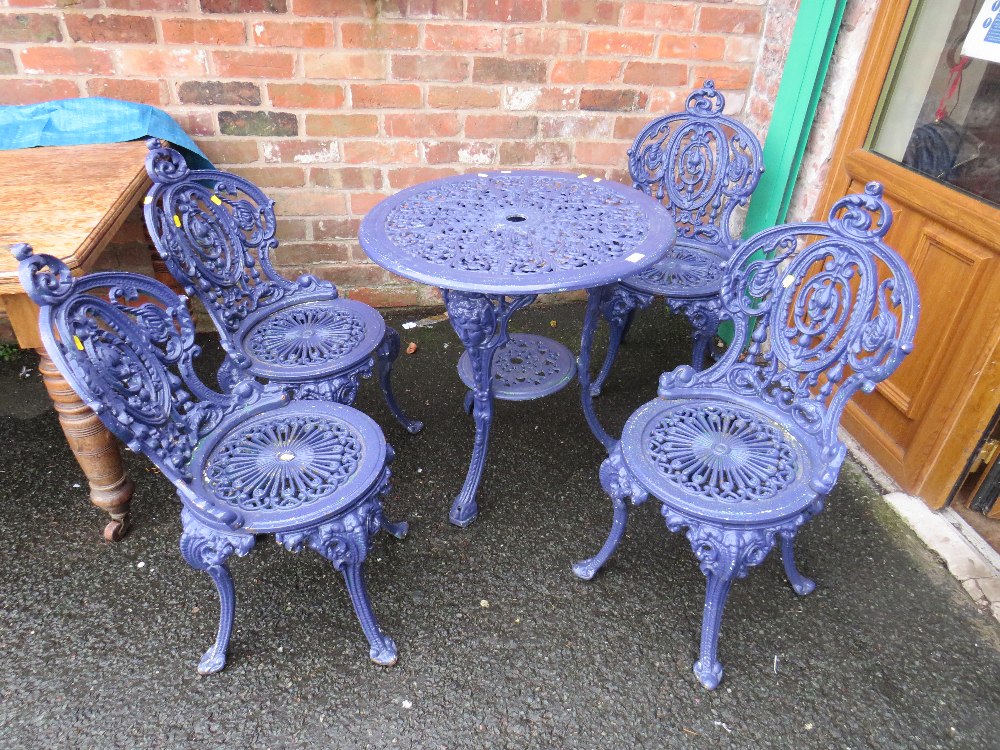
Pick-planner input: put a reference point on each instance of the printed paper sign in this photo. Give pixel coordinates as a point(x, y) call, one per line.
point(983, 40)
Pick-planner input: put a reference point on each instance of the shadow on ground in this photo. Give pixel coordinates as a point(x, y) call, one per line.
point(100, 642)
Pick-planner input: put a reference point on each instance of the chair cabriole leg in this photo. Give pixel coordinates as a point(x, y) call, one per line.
point(345, 542)
point(207, 549)
point(724, 555)
point(383, 648)
point(386, 356)
point(617, 483)
point(801, 585)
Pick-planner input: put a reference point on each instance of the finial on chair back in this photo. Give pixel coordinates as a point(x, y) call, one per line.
point(701, 164)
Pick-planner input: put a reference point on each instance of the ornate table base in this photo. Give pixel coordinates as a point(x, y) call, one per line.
point(480, 320)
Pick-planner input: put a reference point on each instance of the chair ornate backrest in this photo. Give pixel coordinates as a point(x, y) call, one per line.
point(701, 165)
point(125, 343)
point(216, 231)
point(826, 309)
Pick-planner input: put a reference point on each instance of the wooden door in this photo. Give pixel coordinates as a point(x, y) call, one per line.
point(922, 424)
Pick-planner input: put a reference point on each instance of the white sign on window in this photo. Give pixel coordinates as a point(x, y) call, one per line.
point(983, 40)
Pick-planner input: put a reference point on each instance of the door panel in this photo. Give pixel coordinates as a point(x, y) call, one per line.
point(922, 423)
point(959, 281)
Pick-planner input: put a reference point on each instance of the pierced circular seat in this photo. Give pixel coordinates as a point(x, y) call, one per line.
point(719, 460)
point(689, 270)
point(291, 467)
point(305, 340)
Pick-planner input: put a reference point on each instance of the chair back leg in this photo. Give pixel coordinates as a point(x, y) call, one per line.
point(385, 357)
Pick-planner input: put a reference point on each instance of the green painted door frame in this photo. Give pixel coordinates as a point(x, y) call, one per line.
point(816, 29)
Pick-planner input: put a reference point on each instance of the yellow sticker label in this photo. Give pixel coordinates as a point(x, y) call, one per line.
point(79, 344)
point(216, 201)
point(177, 220)
point(147, 200)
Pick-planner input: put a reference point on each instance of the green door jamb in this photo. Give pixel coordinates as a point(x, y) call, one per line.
point(802, 79)
point(816, 29)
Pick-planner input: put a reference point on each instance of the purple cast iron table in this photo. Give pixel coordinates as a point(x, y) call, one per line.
point(492, 242)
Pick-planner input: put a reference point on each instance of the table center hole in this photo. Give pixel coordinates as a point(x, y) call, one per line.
point(517, 218)
point(286, 456)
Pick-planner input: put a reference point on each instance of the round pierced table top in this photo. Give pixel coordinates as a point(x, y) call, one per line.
point(517, 232)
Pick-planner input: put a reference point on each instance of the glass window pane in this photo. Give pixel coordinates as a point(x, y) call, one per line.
point(941, 111)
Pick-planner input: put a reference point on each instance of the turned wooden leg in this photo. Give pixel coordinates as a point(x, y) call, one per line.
point(96, 450)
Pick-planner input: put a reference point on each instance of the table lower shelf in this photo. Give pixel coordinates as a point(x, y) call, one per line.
point(528, 366)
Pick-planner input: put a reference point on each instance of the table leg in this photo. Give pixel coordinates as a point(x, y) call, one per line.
point(96, 450)
point(615, 302)
point(480, 321)
point(590, 320)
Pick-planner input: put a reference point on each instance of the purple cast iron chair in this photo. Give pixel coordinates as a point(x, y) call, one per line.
point(248, 462)
point(701, 165)
point(742, 454)
point(215, 231)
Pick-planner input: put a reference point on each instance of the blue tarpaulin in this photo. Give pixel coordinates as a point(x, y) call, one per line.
point(67, 122)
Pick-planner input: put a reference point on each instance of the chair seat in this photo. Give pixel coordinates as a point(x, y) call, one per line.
point(292, 466)
point(720, 460)
point(309, 339)
point(688, 270)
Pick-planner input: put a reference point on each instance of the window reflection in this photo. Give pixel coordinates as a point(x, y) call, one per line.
point(941, 114)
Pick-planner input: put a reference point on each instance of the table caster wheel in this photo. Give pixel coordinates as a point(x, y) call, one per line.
point(116, 529)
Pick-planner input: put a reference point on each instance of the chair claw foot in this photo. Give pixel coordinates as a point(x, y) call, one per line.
point(213, 661)
point(384, 655)
point(412, 426)
point(463, 513)
point(585, 570)
point(398, 529)
point(709, 676)
point(804, 586)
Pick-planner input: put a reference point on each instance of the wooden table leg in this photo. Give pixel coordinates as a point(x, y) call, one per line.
point(96, 450)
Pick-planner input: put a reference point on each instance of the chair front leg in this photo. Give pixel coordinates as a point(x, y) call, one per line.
point(386, 356)
point(345, 542)
point(724, 555)
point(206, 548)
point(619, 485)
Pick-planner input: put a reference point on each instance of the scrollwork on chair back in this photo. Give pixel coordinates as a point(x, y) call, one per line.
point(215, 231)
point(125, 343)
point(827, 309)
point(700, 164)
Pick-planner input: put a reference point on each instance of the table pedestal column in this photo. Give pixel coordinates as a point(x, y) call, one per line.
point(480, 320)
point(96, 450)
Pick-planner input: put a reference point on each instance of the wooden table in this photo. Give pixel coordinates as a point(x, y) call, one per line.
point(69, 201)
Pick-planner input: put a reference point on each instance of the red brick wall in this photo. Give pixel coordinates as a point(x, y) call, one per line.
point(330, 105)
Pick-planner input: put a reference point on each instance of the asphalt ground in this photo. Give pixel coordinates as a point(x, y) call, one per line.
point(500, 645)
